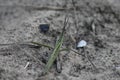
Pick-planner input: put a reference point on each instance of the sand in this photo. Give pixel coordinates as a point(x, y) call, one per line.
point(95, 21)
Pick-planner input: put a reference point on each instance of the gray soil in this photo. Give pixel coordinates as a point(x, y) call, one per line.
point(96, 21)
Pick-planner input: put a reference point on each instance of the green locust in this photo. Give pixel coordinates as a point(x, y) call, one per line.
point(56, 49)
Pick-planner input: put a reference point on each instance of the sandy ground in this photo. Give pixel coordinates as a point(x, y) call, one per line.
point(19, 21)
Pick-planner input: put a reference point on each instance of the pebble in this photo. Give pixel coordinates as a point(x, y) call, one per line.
point(81, 44)
point(44, 28)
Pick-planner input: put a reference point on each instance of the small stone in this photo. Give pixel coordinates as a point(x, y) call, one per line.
point(44, 28)
point(81, 44)
point(117, 69)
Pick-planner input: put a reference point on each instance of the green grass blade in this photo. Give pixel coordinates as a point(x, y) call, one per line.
point(39, 44)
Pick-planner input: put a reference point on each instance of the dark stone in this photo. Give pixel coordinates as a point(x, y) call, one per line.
point(44, 28)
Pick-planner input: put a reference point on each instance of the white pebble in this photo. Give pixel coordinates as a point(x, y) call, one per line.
point(82, 43)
